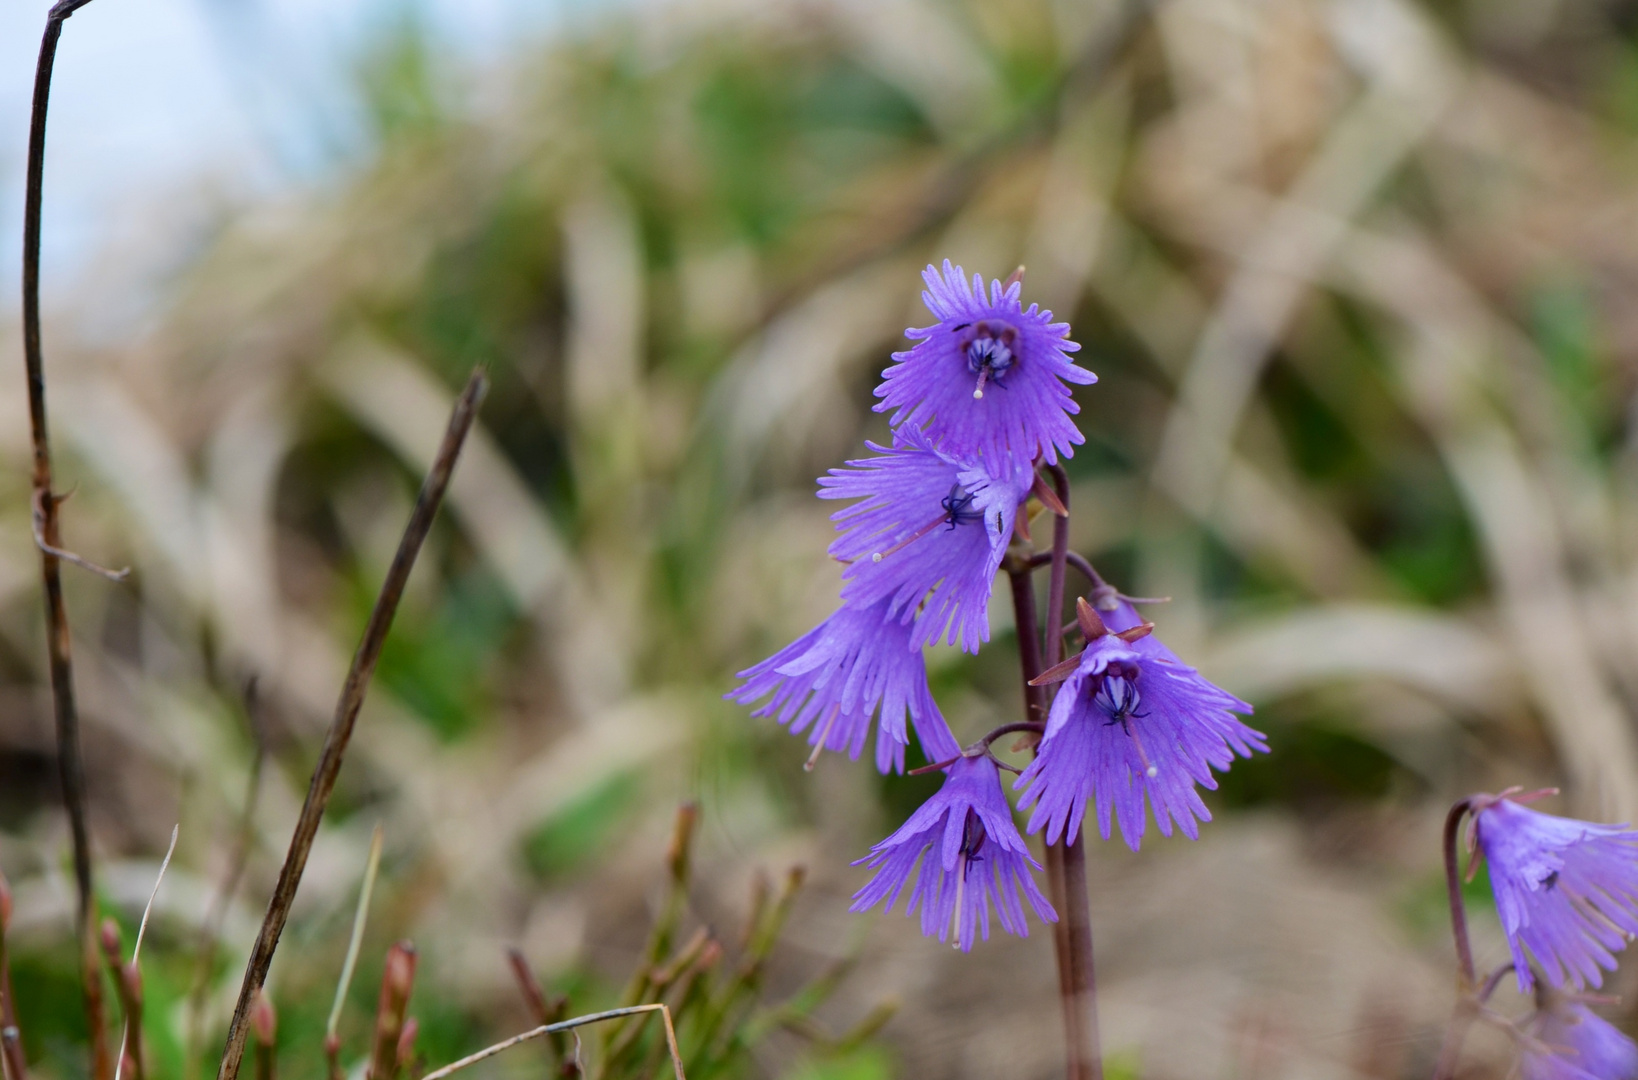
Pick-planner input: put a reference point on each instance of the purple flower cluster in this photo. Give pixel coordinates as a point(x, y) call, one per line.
point(978, 404)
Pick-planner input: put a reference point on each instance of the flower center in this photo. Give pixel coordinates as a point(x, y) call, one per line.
point(989, 354)
point(958, 510)
point(1117, 695)
point(972, 842)
point(972, 837)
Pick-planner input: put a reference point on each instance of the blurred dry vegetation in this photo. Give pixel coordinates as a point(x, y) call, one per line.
point(1357, 277)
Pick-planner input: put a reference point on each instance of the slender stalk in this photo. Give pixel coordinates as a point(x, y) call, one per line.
point(1081, 1001)
point(1468, 1002)
point(356, 941)
point(128, 977)
point(347, 707)
point(1453, 886)
point(70, 763)
point(579, 1021)
point(1066, 883)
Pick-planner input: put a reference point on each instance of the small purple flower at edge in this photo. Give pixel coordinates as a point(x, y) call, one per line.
point(1566, 890)
point(972, 859)
point(1565, 1040)
point(988, 378)
point(1132, 724)
point(928, 535)
point(837, 674)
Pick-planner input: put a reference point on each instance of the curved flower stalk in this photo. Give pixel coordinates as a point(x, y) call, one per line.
point(1566, 890)
point(1565, 1040)
point(834, 678)
point(971, 857)
point(986, 380)
point(1131, 726)
point(928, 535)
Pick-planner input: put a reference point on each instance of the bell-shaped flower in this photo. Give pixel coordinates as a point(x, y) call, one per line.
point(927, 536)
point(1131, 726)
point(971, 857)
point(1566, 890)
point(833, 680)
point(1565, 1040)
point(986, 380)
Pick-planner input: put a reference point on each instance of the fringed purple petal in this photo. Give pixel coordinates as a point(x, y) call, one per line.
point(927, 536)
point(1155, 754)
point(1566, 891)
point(1023, 407)
point(965, 849)
point(834, 678)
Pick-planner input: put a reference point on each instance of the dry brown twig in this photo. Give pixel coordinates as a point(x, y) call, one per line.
point(580, 1021)
point(70, 763)
point(346, 716)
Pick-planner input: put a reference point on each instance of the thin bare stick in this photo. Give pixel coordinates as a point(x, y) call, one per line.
point(360, 917)
point(579, 1021)
point(70, 764)
point(130, 979)
point(347, 708)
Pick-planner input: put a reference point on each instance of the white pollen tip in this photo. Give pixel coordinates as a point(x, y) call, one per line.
point(876, 557)
point(978, 395)
point(1153, 772)
point(807, 766)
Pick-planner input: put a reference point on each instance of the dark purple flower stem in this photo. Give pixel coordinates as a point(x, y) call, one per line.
point(1065, 865)
point(1468, 1003)
point(1453, 883)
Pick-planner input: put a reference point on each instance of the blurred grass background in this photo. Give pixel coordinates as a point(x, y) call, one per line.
point(1356, 276)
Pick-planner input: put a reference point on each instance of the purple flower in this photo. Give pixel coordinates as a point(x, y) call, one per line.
point(988, 377)
point(1131, 722)
point(971, 856)
point(1566, 890)
point(837, 674)
point(928, 535)
point(1568, 1041)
